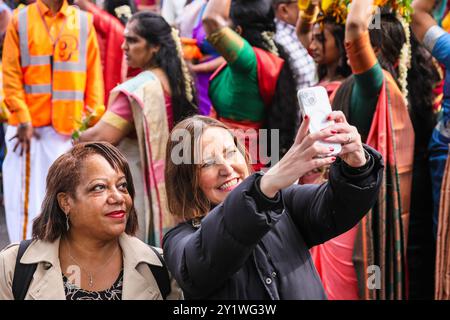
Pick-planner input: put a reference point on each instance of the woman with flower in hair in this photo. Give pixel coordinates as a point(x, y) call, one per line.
point(375, 102)
point(145, 108)
point(321, 28)
point(256, 88)
point(324, 37)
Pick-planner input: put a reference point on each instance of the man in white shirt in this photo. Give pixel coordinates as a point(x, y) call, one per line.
point(303, 66)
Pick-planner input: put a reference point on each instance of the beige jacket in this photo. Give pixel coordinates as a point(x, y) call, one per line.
point(47, 283)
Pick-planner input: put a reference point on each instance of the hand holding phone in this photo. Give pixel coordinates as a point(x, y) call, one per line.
point(315, 104)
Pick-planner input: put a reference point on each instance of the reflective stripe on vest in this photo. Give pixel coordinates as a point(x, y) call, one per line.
point(38, 88)
point(68, 95)
point(29, 60)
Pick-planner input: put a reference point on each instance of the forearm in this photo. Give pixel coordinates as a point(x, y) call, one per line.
point(305, 24)
point(422, 19)
point(209, 66)
point(13, 76)
point(358, 19)
point(216, 15)
point(325, 211)
point(368, 77)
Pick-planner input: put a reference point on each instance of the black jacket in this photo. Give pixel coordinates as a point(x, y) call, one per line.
point(251, 247)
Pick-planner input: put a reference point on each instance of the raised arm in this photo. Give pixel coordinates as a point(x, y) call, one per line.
point(305, 22)
point(367, 71)
point(433, 37)
point(358, 19)
point(216, 16)
point(227, 42)
point(422, 19)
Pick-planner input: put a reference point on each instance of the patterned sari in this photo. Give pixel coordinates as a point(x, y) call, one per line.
point(151, 123)
point(380, 245)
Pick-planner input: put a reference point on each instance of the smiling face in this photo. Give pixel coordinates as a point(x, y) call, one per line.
point(138, 52)
point(101, 204)
point(223, 167)
point(323, 46)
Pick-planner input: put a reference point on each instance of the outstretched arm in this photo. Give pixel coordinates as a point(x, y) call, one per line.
point(422, 19)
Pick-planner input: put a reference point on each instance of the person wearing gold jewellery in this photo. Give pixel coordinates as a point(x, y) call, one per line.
point(83, 245)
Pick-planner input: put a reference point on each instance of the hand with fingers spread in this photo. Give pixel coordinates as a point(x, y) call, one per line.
point(24, 134)
point(304, 156)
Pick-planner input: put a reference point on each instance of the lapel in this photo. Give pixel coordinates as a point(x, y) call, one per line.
point(138, 281)
point(47, 281)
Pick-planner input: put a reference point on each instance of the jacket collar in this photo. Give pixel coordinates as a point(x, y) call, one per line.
point(134, 251)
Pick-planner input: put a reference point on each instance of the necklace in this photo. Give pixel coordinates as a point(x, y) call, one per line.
point(90, 274)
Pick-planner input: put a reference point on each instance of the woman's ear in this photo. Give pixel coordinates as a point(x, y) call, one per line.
point(63, 202)
point(239, 30)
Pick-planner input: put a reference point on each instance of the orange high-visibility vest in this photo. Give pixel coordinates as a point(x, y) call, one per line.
point(56, 73)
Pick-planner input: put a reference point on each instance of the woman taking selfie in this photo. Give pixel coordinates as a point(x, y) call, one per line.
point(83, 246)
point(246, 236)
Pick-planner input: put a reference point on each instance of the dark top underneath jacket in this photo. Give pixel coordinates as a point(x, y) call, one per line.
point(252, 247)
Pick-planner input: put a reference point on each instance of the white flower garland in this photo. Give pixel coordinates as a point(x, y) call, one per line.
point(186, 75)
point(404, 59)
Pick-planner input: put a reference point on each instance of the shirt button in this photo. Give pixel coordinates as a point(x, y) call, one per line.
point(268, 281)
point(47, 265)
point(274, 274)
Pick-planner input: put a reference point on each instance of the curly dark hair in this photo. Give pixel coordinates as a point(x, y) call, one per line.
point(256, 17)
point(157, 31)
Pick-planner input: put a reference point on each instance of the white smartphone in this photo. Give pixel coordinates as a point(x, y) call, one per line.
point(315, 104)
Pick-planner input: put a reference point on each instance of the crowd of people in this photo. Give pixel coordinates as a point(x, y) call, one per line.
point(158, 150)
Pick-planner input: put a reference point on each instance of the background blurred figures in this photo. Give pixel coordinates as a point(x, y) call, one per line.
point(143, 110)
point(437, 41)
point(206, 62)
point(48, 82)
point(5, 17)
point(172, 10)
point(286, 18)
point(150, 5)
point(256, 88)
point(109, 25)
point(385, 125)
